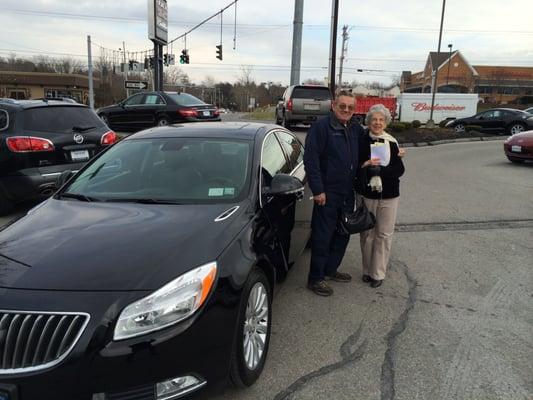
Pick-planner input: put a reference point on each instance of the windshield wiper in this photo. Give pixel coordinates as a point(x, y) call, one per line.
point(77, 196)
point(82, 128)
point(143, 201)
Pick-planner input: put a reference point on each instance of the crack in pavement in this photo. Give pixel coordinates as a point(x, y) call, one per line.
point(387, 368)
point(347, 357)
point(464, 226)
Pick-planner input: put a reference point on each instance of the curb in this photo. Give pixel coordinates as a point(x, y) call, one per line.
point(460, 140)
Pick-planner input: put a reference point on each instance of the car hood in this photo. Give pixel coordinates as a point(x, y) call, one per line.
point(72, 245)
point(522, 137)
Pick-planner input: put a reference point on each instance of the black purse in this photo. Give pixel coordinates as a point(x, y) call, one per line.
point(358, 220)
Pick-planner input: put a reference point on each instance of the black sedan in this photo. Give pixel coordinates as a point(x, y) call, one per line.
point(148, 109)
point(39, 139)
point(496, 120)
point(150, 273)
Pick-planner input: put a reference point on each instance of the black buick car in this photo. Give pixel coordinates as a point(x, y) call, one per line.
point(150, 273)
point(148, 109)
point(39, 139)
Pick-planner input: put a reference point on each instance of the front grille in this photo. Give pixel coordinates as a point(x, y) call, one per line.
point(36, 340)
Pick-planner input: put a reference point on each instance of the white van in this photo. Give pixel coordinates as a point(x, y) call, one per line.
point(417, 106)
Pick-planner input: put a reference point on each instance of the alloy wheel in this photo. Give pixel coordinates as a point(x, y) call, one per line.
point(517, 128)
point(459, 128)
point(255, 326)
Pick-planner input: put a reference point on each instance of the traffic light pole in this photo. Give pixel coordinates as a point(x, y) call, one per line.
point(158, 66)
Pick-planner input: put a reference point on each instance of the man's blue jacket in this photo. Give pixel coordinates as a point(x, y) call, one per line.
point(331, 155)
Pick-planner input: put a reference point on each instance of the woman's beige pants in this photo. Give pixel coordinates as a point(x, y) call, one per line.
point(376, 243)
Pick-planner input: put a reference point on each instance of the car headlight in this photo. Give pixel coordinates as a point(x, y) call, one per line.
point(449, 123)
point(172, 303)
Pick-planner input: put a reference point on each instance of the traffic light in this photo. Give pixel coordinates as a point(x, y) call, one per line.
point(131, 65)
point(219, 51)
point(151, 62)
point(146, 63)
point(184, 58)
point(165, 59)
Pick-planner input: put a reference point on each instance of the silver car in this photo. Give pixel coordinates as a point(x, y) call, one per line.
point(303, 104)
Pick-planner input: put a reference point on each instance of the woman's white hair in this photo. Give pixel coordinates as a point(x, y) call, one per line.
point(378, 108)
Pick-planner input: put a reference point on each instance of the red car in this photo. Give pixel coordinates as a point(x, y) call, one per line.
point(519, 147)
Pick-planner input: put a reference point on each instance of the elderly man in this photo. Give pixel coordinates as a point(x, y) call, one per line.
point(331, 162)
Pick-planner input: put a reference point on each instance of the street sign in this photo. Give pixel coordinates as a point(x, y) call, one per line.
point(136, 85)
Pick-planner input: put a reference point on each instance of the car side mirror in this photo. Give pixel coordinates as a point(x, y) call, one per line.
point(63, 177)
point(283, 184)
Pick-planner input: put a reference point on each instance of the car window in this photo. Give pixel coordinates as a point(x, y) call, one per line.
point(59, 119)
point(486, 115)
point(4, 119)
point(185, 99)
point(174, 170)
point(153, 99)
point(274, 160)
point(311, 93)
point(497, 114)
point(293, 148)
point(134, 100)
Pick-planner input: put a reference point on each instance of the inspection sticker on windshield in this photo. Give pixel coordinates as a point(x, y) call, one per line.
point(216, 191)
point(229, 191)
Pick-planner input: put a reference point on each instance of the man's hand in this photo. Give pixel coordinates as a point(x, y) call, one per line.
point(372, 161)
point(401, 153)
point(320, 199)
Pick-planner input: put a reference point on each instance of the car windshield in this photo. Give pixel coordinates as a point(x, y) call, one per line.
point(185, 99)
point(59, 119)
point(167, 170)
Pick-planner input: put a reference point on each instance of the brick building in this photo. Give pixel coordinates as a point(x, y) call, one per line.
point(494, 84)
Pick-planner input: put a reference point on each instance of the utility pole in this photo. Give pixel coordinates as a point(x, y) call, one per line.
point(125, 67)
point(431, 123)
point(333, 45)
point(297, 41)
point(343, 51)
point(90, 73)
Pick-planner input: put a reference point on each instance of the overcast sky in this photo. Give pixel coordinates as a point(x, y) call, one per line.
point(386, 37)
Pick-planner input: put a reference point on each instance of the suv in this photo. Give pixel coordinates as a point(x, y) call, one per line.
point(40, 139)
point(303, 104)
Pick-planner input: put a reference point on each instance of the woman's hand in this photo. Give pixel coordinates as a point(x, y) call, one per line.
point(401, 153)
point(372, 161)
point(320, 199)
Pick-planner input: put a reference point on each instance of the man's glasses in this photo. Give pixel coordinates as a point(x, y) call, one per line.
point(345, 107)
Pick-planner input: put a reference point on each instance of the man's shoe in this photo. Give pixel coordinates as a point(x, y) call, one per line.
point(376, 283)
point(339, 277)
point(366, 278)
point(320, 287)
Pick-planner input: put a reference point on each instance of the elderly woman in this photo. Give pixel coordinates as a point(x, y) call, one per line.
point(379, 184)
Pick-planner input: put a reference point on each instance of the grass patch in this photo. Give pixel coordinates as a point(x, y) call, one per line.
point(264, 114)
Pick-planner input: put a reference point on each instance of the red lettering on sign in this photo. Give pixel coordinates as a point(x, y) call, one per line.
point(436, 107)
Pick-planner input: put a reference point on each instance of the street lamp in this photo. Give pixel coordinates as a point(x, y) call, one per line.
point(449, 62)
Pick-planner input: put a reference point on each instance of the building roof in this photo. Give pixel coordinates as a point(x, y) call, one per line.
point(45, 79)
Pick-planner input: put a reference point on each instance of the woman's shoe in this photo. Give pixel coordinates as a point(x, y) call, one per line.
point(376, 283)
point(366, 278)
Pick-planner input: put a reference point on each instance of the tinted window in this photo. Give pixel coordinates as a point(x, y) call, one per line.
point(176, 170)
point(274, 161)
point(59, 119)
point(184, 99)
point(4, 119)
point(153, 99)
point(311, 93)
point(292, 147)
point(134, 100)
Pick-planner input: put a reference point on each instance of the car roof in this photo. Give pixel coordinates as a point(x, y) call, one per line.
point(25, 104)
point(503, 109)
point(234, 130)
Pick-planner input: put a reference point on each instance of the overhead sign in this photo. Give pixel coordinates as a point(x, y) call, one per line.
point(158, 21)
point(135, 85)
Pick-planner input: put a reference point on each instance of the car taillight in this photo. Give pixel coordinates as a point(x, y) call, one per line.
point(188, 112)
point(216, 113)
point(108, 138)
point(28, 144)
point(289, 105)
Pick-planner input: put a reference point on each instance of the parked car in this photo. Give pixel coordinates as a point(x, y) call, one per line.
point(496, 120)
point(150, 273)
point(519, 147)
point(148, 109)
point(303, 104)
point(529, 110)
point(39, 140)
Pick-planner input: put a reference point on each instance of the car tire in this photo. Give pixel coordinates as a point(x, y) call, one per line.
point(278, 119)
point(285, 122)
point(459, 128)
point(516, 128)
point(163, 121)
point(515, 160)
point(253, 330)
point(5, 205)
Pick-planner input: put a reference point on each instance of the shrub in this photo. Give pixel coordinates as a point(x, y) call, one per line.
point(408, 125)
point(397, 126)
point(442, 124)
point(416, 124)
point(470, 128)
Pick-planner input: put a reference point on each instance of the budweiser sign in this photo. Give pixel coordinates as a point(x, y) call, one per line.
point(436, 107)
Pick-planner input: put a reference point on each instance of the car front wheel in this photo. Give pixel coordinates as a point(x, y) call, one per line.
point(253, 331)
point(459, 128)
point(516, 128)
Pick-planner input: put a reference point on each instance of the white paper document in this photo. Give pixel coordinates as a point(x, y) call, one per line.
point(382, 151)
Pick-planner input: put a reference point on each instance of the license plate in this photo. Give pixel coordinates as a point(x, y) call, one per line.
point(206, 113)
point(516, 149)
point(79, 155)
point(313, 107)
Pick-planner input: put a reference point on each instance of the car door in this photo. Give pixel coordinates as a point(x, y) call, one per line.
point(151, 108)
point(279, 210)
point(485, 120)
point(303, 207)
point(128, 116)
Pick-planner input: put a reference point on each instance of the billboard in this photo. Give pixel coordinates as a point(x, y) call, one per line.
point(158, 21)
